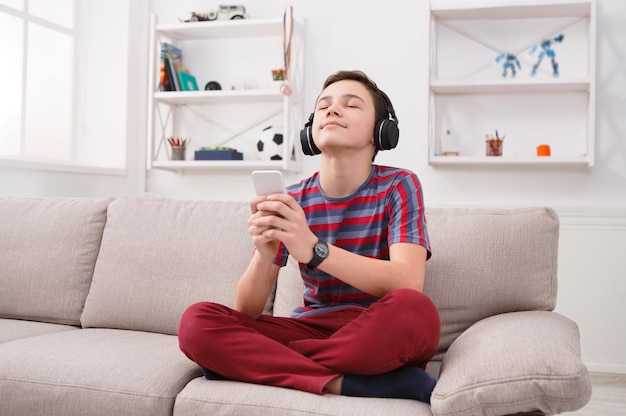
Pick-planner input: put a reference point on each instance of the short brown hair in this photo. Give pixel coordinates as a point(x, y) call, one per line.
point(380, 104)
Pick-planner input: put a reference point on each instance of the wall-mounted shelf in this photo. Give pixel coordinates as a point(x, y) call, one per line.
point(503, 160)
point(470, 96)
point(534, 9)
point(202, 165)
point(235, 115)
point(208, 97)
point(225, 29)
point(511, 86)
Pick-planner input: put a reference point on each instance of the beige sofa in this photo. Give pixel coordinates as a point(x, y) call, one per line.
point(91, 292)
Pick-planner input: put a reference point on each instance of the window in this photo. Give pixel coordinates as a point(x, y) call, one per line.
point(38, 41)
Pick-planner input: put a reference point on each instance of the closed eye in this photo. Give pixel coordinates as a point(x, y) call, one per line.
point(353, 102)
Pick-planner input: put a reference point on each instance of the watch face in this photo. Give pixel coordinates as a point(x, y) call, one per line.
point(321, 250)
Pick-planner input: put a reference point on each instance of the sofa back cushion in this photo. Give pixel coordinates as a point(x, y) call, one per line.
point(159, 256)
point(289, 289)
point(48, 251)
point(485, 262)
point(490, 261)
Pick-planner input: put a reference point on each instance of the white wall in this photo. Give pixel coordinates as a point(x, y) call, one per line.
point(389, 41)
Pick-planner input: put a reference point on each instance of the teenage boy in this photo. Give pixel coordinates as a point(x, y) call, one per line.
point(359, 233)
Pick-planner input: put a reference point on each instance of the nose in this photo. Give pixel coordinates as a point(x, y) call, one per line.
point(332, 110)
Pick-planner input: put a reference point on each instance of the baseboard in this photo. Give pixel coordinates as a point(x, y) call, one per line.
point(592, 218)
point(608, 368)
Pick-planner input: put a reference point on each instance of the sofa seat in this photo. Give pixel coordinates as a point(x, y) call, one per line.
point(14, 329)
point(93, 372)
point(203, 397)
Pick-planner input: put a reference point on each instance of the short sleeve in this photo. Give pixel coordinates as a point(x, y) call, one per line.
point(407, 220)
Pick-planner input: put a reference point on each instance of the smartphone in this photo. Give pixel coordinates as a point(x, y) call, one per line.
point(268, 182)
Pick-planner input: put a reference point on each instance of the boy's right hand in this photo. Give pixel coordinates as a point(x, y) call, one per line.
point(267, 247)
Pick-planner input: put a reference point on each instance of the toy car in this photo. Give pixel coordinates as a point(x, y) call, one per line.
point(223, 12)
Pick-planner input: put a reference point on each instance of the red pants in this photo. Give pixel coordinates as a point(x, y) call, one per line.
point(402, 328)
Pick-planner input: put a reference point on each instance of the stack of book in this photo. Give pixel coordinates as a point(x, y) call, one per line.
point(173, 75)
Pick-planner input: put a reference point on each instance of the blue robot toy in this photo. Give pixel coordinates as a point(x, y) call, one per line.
point(546, 50)
point(510, 61)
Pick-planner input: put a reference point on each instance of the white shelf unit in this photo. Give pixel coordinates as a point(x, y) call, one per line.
point(470, 97)
point(240, 55)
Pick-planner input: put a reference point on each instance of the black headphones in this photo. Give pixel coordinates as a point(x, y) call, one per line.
point(386, 132)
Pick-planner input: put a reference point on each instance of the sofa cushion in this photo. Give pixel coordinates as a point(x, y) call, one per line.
point(490, 261)
point(48, 251)
point(513, 363)
point(160, 256)
point(13, 329)
point(203, 397)
point(289, 289)
point(93, 372)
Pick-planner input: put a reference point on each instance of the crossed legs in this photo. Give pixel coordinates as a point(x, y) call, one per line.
point(314, 352)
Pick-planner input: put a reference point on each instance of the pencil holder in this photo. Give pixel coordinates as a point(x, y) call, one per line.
point(494, 147)
point(178, 153)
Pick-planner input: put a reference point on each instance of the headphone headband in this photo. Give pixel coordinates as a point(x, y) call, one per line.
point(390, 110)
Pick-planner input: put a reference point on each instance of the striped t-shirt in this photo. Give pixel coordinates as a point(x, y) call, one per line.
point(387, 209)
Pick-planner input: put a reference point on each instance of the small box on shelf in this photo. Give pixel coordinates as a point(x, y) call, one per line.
point(218, 154)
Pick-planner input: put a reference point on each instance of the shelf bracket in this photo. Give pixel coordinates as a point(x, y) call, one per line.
point(163, 126)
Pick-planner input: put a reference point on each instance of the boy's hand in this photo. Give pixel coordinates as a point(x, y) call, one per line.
point(280, 218)
point(267, 247)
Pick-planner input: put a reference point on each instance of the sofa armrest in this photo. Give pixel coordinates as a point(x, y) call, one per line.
point(513, 363)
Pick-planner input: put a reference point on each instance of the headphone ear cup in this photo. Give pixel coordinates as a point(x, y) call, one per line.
point(386, 134)
point(306, 139)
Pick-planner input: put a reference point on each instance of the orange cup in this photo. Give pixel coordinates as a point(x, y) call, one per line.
point(543, 150)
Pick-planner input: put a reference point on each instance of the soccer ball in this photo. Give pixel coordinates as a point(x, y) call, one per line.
point(270, 144)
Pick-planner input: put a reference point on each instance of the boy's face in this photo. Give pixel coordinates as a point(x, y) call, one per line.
point(344, 118)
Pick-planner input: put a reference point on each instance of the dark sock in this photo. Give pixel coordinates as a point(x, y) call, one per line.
point(212, 375)
point(403, 383)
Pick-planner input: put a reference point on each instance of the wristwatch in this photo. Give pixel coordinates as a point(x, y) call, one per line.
point(320, 252)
